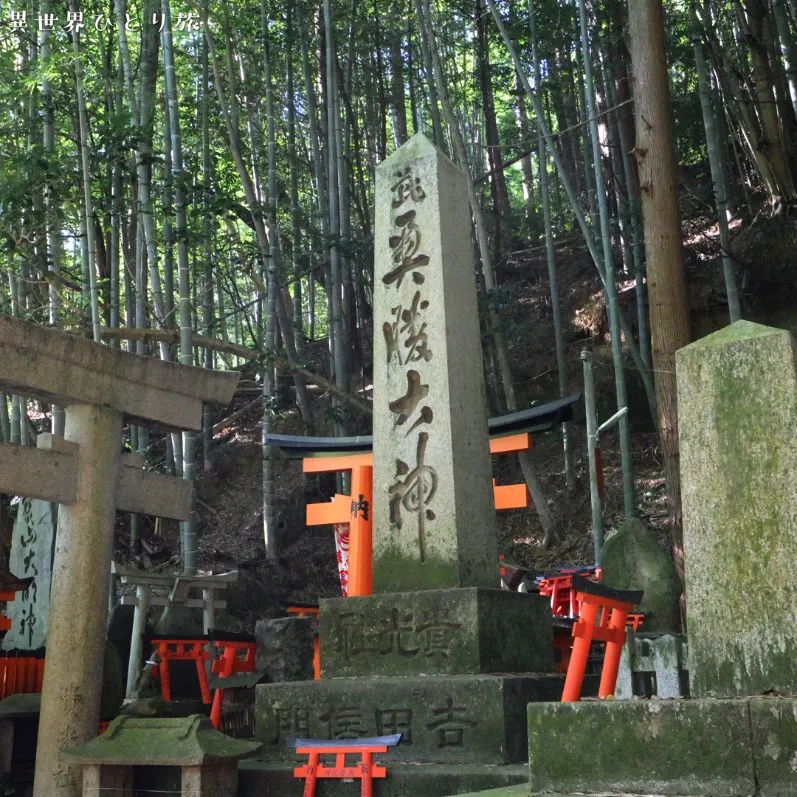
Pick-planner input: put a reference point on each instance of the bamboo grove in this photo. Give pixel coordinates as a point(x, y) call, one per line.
point(194, 180)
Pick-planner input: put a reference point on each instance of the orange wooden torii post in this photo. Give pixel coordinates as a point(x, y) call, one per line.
point(354, 509)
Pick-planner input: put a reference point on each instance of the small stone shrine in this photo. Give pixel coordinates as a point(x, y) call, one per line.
point(168, 755)
point(439, 654)
point(87, 475)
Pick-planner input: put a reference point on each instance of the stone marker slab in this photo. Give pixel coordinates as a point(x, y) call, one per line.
point(31, 556)
point(642, 746)
point(443, 719)
point(773, 722)
point(447, 631)
point(433, 512)
point(737, 409)
point(633, 559)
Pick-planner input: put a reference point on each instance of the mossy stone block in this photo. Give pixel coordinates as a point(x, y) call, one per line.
point(450, 631)
point(442, 719)
point(285, 648)
point(632, 559)
point(737, 412)
point(773, 722)
point(642, 746)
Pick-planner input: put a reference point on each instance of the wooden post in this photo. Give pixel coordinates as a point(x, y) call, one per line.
point(360, 540)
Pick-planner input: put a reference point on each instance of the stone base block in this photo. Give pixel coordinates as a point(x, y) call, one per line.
point(476, 719)
point(285, 648)
point(773, 725)
point(649, 746)
point(447, 631)
point(260, 779)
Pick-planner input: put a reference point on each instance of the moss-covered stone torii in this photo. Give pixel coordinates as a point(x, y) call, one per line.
point(85, 473)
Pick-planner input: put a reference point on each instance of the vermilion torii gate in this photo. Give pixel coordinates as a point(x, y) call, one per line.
point(87, 474)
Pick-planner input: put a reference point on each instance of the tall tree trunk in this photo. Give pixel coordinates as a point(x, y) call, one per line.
point(772, 141)
point(719, 177)
point(188, 527)
point(397, 101)
point(434, 106)
point(53, 240)
point(553, 282)
point(787, 47)
point(608, 265)
point(669, 312)
point(88, 204)
point(498, 191)
point(207, 252)
point(338, 325)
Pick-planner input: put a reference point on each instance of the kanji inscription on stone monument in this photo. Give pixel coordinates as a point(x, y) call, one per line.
point(433, 509)
point(31, 557)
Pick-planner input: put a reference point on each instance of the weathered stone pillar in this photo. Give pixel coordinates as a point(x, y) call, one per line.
point(79, 600)
point(737, 408)
point(434, 519)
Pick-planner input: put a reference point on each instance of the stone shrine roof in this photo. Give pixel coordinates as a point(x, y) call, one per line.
point(160, 741)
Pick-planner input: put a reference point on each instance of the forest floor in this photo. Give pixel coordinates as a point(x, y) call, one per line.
point(229, 491)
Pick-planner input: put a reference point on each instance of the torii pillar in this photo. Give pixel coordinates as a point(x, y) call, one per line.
point(100, 387)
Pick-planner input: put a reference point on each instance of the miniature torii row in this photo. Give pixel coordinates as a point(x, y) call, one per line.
point(89, 477)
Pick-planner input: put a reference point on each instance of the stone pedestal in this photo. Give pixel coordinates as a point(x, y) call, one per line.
point(448, 631)
point(737, 409)
point(451, 670)
point(476, 719)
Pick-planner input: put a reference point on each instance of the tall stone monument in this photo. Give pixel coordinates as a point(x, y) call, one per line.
point(31, 557)
point(737, 418)
point(438, 654)
point(434, 518)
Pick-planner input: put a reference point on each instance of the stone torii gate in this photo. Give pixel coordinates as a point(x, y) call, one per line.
point(87, 474)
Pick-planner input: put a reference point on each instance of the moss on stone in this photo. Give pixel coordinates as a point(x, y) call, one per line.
point(395, 571)
point(738, 460)
point(642, 746)
point(160, 741)
point(632, 559)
